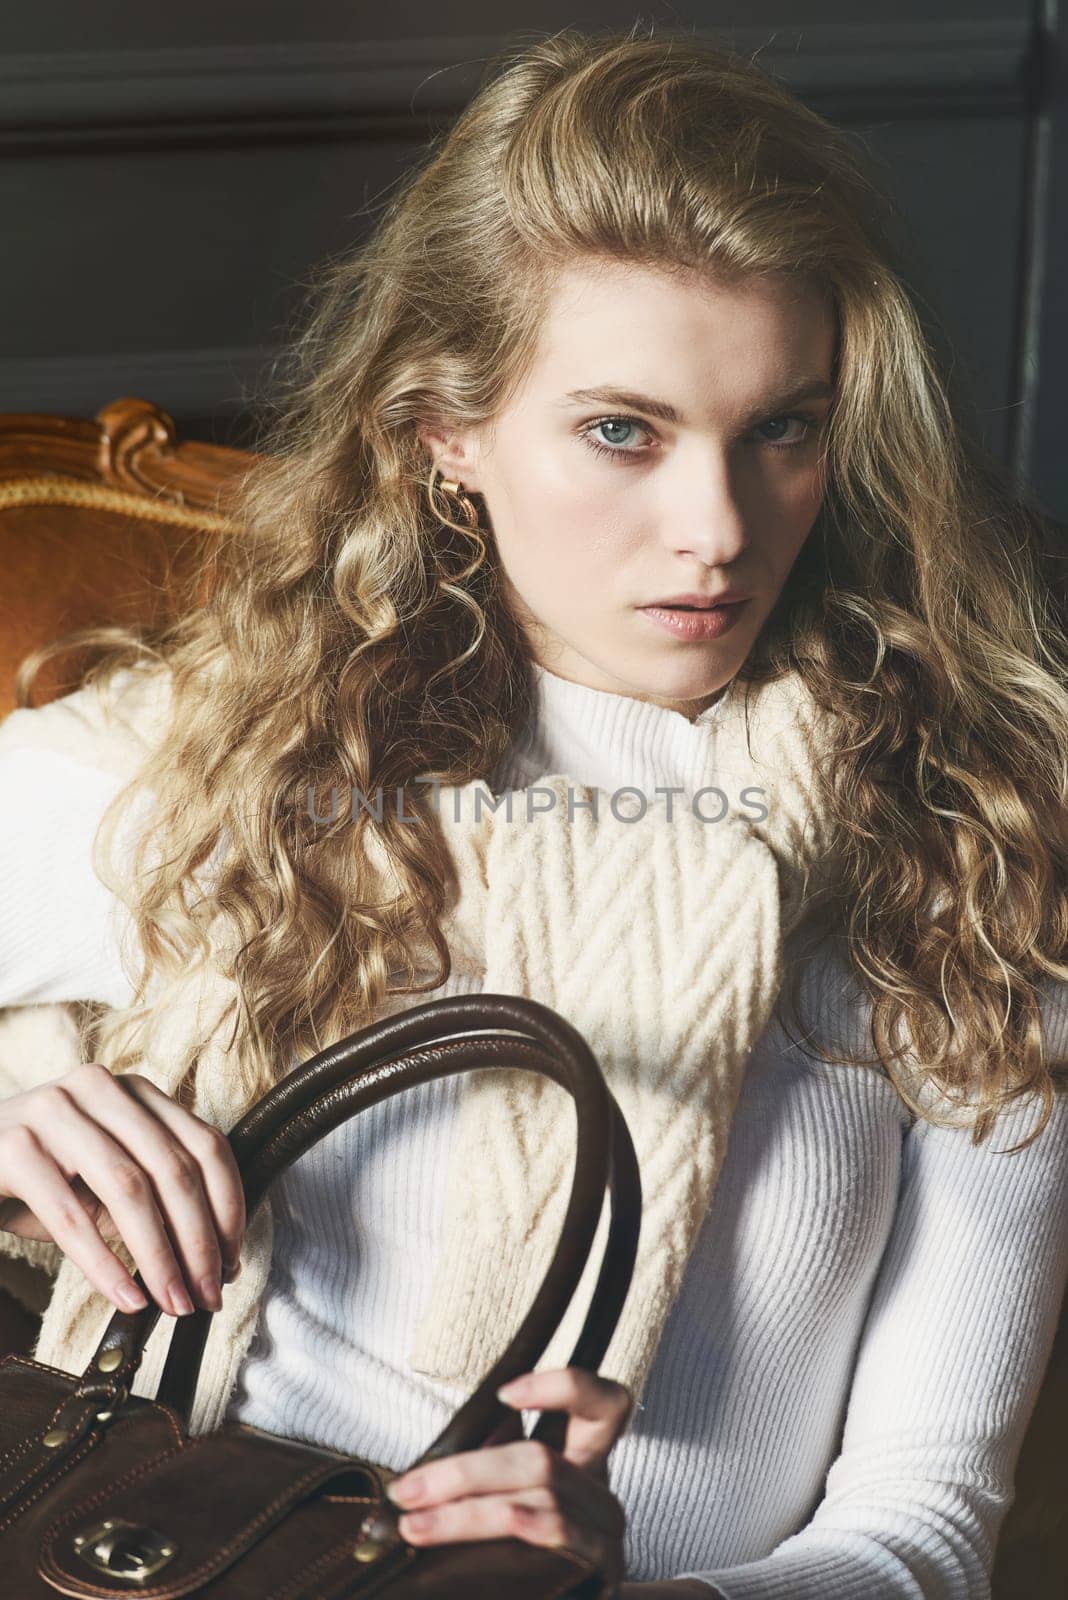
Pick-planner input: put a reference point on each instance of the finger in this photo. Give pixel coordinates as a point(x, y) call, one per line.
point(529, 1470)
point(116, 1177)
point(222, 1179)
point(16, 1217)
point(175, 1181)
point(598, 1409)
point(42, 1187)
point(501, 1517)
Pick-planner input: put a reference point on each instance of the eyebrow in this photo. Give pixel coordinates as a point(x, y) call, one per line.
point(804, 389)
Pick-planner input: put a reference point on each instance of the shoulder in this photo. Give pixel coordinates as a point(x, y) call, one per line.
point(108, 727)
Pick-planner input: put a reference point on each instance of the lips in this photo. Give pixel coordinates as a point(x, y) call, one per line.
point(699, 602)
point(696, 622)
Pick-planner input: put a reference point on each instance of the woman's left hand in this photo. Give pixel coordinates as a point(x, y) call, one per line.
point(525, 1489)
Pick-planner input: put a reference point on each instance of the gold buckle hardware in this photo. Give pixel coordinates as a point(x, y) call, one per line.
point(124, 1550)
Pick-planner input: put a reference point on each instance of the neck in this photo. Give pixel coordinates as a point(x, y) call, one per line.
point(611, 740)
point(692, 710)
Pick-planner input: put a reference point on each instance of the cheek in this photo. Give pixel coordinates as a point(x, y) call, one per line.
point(797, 504)
point(552, 526)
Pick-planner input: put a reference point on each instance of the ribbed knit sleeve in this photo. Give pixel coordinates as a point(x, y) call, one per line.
point(956, 1342)
point(60, 932)
point(60, 927)
point(63, 934)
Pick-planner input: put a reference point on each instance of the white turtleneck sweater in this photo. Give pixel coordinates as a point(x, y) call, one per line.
point(842, 1387)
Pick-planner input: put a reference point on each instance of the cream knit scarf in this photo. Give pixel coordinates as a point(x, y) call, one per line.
point(659, 936)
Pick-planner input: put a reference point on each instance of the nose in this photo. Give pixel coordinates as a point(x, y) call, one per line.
point(709, 520)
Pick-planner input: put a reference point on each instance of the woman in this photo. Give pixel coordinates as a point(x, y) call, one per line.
point(630, 341)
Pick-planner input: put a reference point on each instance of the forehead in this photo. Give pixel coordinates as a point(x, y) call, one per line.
point(638, 323)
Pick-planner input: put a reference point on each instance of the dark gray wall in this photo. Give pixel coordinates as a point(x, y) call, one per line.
point(169, 180)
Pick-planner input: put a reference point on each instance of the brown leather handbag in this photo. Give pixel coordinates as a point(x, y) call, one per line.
point(104, 1493)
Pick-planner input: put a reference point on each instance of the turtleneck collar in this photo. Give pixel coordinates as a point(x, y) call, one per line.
point(611, 740)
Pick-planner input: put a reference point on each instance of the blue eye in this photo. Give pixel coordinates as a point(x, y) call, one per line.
point(807, 424)
point(613, 422)
point(622, 452)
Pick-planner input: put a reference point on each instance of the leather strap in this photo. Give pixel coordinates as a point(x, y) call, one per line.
point(460, 1033)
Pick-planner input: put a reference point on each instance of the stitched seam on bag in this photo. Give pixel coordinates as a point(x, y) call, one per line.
point(28, 1445)
point(46, 1483)
point(338, 1558)
point(55, 1529)
point(212, 1566)
point(22, 1445)
point(10, 1457)
point(28, 1478)
point(331, 1559)
point(172, 1417)
point(320, 1565)
point(43, 1366)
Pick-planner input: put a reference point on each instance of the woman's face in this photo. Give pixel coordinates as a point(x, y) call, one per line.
point(697, 474)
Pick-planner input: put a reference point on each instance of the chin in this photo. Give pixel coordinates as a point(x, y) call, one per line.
point(693, 686)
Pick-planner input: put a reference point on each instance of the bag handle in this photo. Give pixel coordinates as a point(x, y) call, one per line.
point(460, 1033)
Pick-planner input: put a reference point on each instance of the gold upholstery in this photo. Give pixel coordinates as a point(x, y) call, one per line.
point(97, 521)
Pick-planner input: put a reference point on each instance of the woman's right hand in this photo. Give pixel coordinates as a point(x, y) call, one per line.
point(91, 1156)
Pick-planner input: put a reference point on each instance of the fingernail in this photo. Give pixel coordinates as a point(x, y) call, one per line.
point(509, 1391)
point(178, 1295)
point(211, 1290)
point(130, 1298)
point(402, 1489)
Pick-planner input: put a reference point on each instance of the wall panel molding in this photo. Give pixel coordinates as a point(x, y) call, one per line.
point(216, 380)
point(1037, 434)
point(951, 101)
point(347, 88)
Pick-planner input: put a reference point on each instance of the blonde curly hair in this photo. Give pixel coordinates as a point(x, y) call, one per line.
point(356, 635)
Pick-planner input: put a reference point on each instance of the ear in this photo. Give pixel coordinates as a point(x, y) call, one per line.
point(455, 452)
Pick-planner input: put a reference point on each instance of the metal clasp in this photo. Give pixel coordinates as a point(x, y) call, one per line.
point(124, 1549)
point(76, 1413)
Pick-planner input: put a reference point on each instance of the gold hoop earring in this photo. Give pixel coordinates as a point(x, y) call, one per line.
point(468, 509)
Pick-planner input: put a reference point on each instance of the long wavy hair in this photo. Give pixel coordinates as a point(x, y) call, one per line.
point(356, 632)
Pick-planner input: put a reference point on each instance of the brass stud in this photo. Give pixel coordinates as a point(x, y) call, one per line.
point(370, 1549)
point(110, 1359)
point(57, 1436)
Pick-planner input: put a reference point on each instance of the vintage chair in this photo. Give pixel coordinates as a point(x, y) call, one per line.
point(96, 519)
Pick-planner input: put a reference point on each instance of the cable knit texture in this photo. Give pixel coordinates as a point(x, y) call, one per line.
point(547, 905)
point(842, 1324)
point(656, 929)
